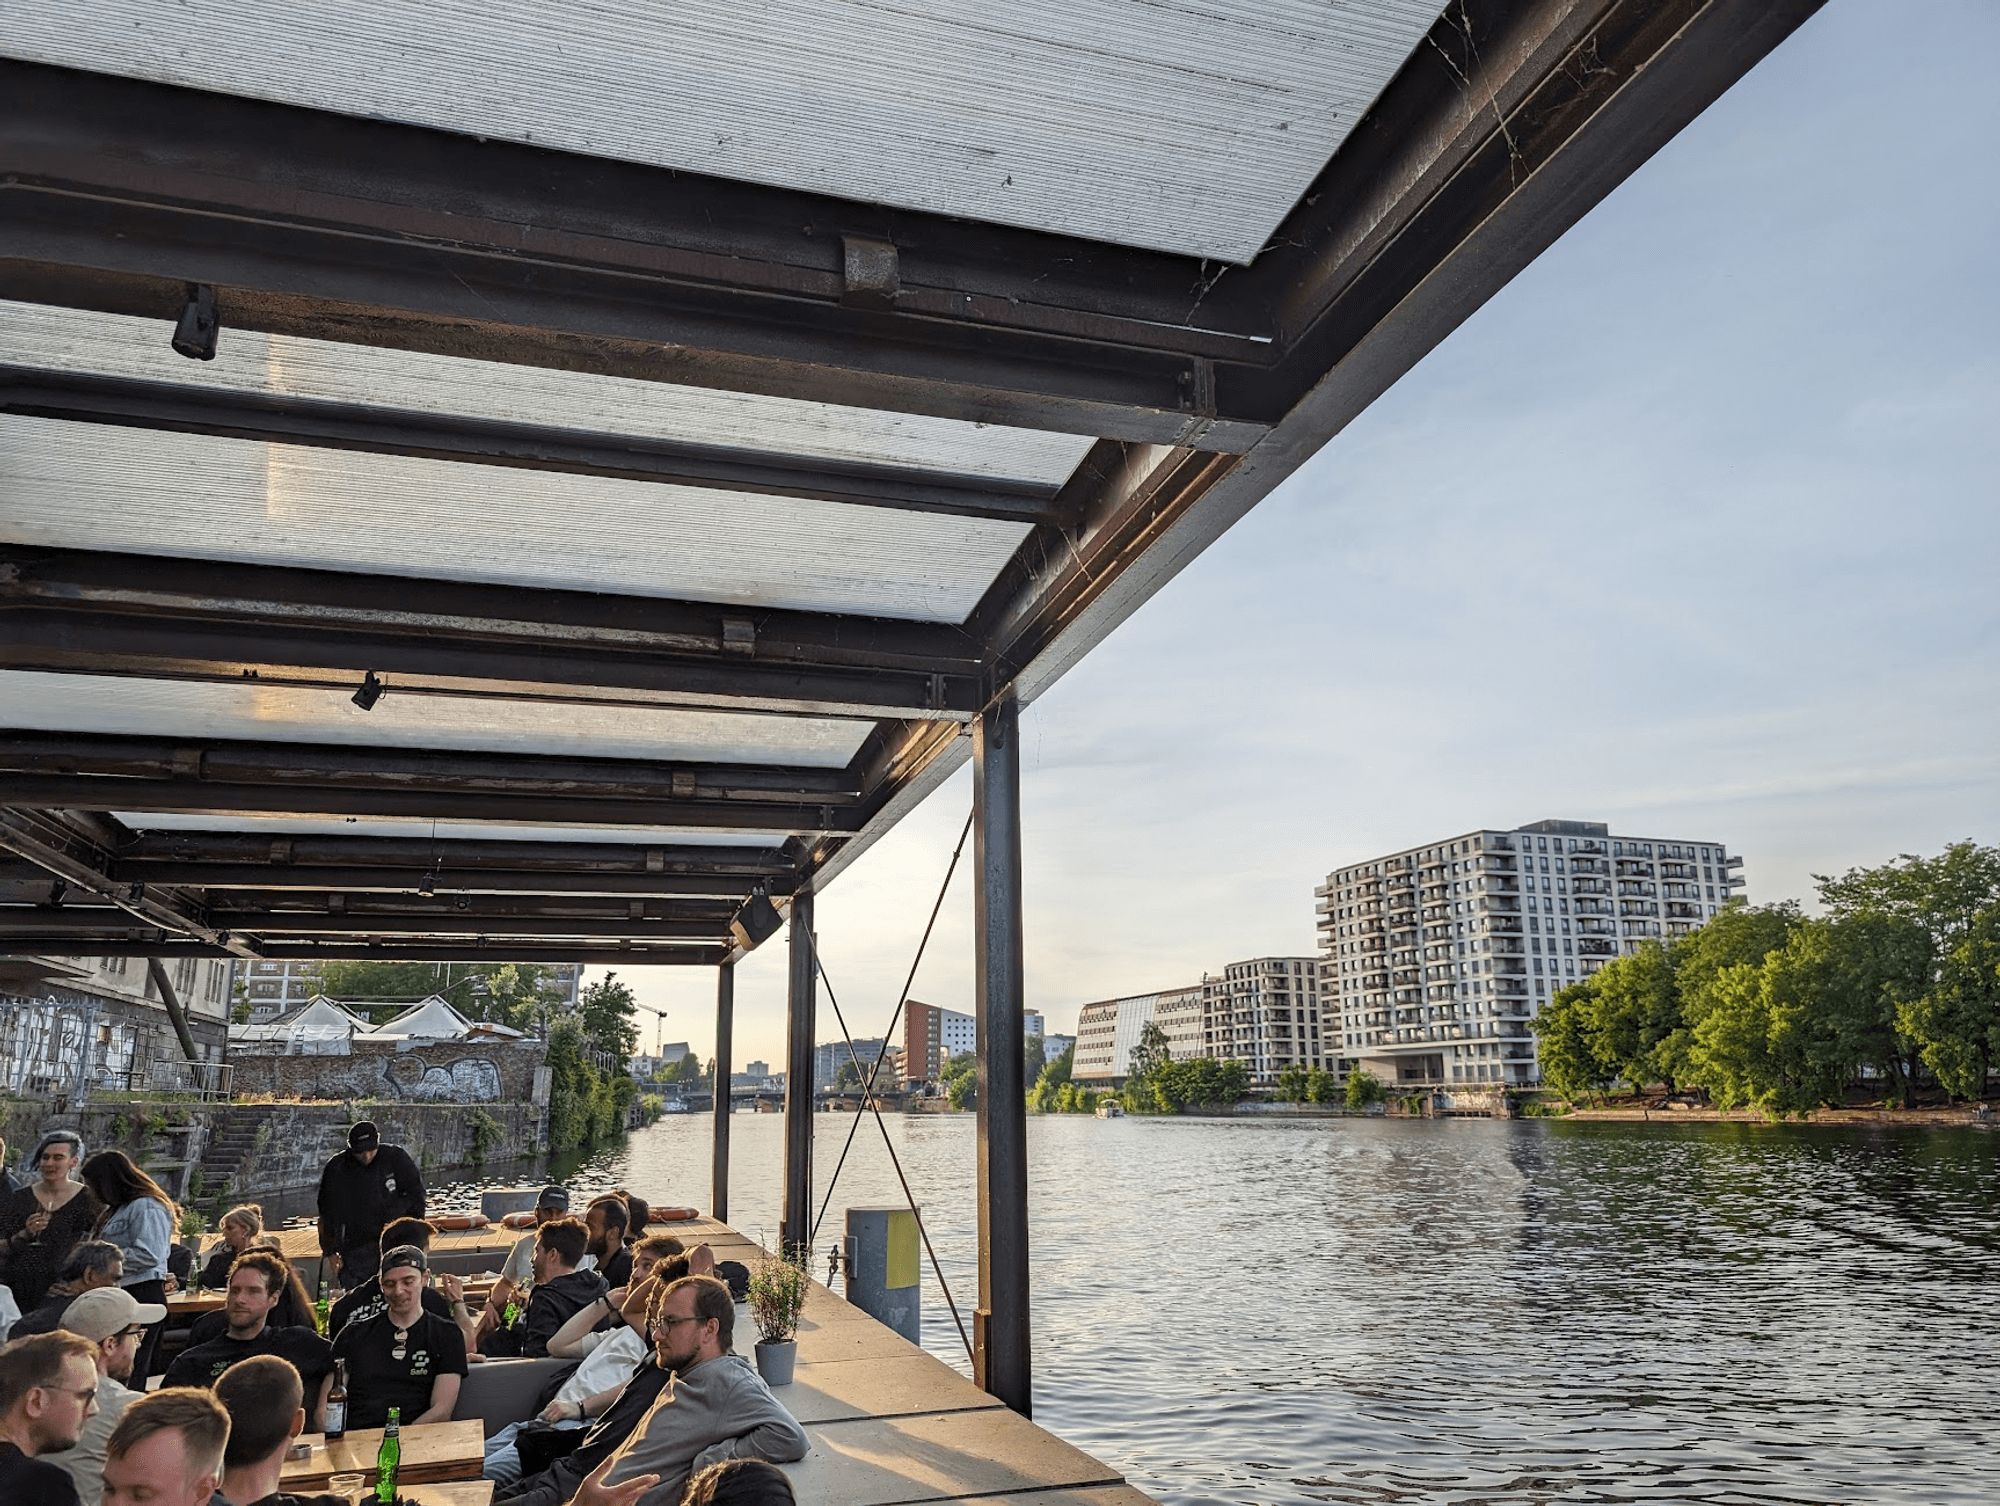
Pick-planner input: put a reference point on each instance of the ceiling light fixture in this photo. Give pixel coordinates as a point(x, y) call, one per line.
point(370, 691)
point(756, 921)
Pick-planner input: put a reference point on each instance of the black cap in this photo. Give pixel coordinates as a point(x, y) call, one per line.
point(554, 1197)
point(404, 1255)
point(364, 1136)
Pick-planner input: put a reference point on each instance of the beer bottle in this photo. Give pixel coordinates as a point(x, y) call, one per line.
point(388, 1457)
point(336, 1403)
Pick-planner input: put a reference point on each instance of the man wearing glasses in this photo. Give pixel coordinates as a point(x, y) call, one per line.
point(114, 1321)
point(716, 1406)
point(48, 1391)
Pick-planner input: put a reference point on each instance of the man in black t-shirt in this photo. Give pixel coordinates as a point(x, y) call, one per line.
point(48, 1390)
point(560, 1291)
point(264, 1400)
point(363, 1190)
point(256, 1282)
point(403, 1356)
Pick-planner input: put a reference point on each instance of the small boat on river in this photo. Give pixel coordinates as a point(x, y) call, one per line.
point(1111, 1108)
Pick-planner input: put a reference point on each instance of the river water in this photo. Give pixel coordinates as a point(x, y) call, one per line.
point(1465, 1311)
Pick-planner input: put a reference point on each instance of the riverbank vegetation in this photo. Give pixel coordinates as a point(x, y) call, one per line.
point(591, 1091)
point(1160, 1085)
point(1894, 988)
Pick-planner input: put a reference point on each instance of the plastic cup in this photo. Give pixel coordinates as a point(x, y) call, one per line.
point(348, 1487)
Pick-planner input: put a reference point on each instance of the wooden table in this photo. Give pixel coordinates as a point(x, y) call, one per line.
point(438, 1493)
point(186, 1305)
point(431, 1451)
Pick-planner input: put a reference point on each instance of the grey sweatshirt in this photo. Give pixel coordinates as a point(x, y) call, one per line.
point(718, 1410)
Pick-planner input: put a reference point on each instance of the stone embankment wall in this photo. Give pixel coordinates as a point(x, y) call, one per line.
point(448, 1072)
point(214, 1154)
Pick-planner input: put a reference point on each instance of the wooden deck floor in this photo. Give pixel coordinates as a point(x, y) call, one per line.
point(889, 1423)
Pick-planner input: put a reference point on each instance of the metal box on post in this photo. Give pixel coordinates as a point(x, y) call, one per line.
point(884, 1267)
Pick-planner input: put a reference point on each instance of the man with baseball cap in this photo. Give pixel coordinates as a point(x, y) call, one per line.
point(519, 1271)
point(114, 1322)
point(403, 1356)
point(363, 1190)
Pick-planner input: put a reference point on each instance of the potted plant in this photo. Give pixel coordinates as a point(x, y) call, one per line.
point(777, 1296)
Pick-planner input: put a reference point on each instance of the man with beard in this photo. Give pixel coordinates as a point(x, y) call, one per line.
point(559, 1293)
point(402, 1357)
point(609, 1223)
point(48, 1390)
point(715, 1407)
point(114, 1321)
point(256, 1284)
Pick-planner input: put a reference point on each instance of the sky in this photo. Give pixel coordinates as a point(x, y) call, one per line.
point(1691, 530)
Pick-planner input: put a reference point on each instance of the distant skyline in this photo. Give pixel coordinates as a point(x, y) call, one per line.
point(1692, 530)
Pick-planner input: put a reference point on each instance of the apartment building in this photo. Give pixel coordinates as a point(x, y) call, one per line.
point(1108, 1031)
point(933, 1036)
point(1265, 1013)
point(1434, 959)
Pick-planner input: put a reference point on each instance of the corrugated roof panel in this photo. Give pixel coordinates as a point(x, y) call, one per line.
point(78, 340)
point(445, 831)
point(119, 706)
point(1171, 125)
point(79, 486)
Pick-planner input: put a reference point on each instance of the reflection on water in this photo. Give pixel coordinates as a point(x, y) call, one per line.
point(1466, 1311)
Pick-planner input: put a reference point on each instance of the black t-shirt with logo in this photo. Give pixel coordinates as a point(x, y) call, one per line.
point(378, 1379)
point(366, 1300)
point(200, 1364)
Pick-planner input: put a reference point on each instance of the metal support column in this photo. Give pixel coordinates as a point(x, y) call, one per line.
point(725, 1024)
point(796, 1232)
point(1000, 1341)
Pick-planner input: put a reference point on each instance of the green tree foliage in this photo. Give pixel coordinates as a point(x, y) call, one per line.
point(585, 1104)
point(1172, 1086)
point(1151, 1053)
point(1364, 1090)
point(1948, 995)
point(507, 993)
point(1898, 982)
point(1054, 1092)
point(1298, 1084)
point(959, 1078)
point(609, 1016)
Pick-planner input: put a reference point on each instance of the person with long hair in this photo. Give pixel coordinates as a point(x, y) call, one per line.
point(241, 1227)
point(141, 1220)
point(42, 1222)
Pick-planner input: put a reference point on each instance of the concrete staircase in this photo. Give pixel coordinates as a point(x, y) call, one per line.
point(235, 1136)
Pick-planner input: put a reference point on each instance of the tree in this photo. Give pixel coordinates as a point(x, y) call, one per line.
point(1292, 1085)
point(1364, 1089)
point(1948, 999)
point(1635, 1017)
point(507, 993)
point(959, 1077)
point(1151, 1053)
point(1047, 1094)
point(608, 1013)
point(1566, 1032)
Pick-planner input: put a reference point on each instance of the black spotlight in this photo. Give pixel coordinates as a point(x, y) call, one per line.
point(756, 922)
point(429, 886)
point(370, 691)
point(194, 334)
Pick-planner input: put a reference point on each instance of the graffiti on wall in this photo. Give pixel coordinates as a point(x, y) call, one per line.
point(405, 1078)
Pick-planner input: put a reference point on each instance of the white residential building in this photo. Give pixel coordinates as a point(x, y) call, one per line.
point(1108, 1032)
point(1265, 1013)
point(1434, 959)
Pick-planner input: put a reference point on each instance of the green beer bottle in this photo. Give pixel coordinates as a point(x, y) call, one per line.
point(388, 1457)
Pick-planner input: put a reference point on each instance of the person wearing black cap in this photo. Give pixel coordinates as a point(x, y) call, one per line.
point(402, 1357)
point(364, 1189)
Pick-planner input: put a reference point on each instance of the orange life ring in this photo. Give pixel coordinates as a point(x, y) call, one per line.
point(519, 1221)
point(460, 1221)
point(673, 1215)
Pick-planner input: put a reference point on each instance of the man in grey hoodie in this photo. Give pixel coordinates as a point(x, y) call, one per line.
point(715, 1407)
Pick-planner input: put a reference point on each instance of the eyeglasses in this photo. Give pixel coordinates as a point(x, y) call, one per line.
point(87, 1396)
point(663, 1321)
point(130, 1333)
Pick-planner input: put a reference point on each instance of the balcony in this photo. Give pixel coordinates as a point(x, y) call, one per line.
point(1594, 925)
point(1590, 886)
point(1732, 862)
point(1594, 907)
point(1638, 907)
point(1590, 865)
point(1678, 870)
point(1634, 868)
point(1681, 910)
point(1505, 925)
point(1630, 887)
